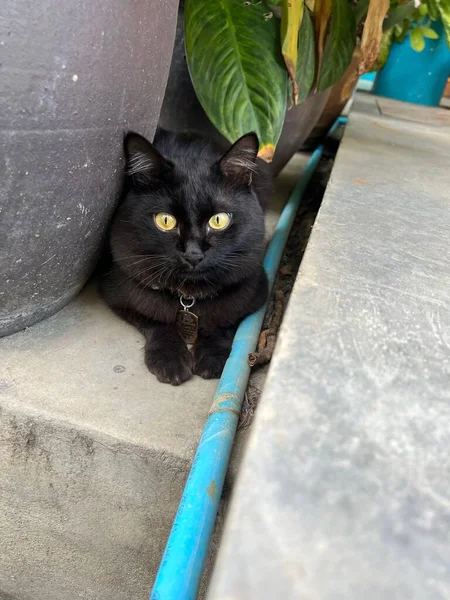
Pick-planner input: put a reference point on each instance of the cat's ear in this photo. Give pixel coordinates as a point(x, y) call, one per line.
point(239, 163)
point(144, 163)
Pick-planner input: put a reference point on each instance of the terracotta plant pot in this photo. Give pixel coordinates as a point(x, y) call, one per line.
point(75, 77)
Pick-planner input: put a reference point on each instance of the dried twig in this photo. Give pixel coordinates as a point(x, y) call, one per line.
point(286, 271)
point(268, 337)
point(249, 407)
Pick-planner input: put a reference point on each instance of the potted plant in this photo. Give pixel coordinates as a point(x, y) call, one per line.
point(415, 56)
point(264, 67)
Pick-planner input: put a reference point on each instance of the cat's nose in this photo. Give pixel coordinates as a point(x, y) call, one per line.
point(193, 256)
point(193, 253)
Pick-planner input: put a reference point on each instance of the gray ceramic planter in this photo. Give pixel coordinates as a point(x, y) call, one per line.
point(181, 111)
point(298, 125)
point(74, 78)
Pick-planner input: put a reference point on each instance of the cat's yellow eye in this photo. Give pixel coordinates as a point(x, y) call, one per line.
point(165, 221)
point(219, 221)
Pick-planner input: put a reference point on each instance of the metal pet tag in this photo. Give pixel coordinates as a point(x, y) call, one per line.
point(187, 322)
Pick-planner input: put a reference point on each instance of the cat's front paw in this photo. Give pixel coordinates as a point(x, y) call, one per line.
point(209, 362)
point(169, 365)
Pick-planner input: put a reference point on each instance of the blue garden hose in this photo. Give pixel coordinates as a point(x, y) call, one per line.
point(184, 558)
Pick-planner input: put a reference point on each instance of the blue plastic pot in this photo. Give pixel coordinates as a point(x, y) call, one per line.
point(417, 77)
point(366, 82)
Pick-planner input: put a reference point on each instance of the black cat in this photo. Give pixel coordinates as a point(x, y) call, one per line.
point(186, 246)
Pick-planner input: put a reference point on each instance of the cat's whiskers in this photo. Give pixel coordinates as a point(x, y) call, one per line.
point(156, 265)
point(234, 253)
point(153, 265)
point(178, 289)
point(139, 260)
point(160, 270)
point(145, 282)
point(138, 256)
point(233, 267)
point(169, 275)
point(232, 261)
point(156, 276)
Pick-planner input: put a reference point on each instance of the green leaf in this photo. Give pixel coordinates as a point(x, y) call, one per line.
point(339, 45)
point(397, 29)
point(236, 67)
point(306, 63)
point(423, 10)
point(401, 31)
point(417, 40)
point(429, 33)
point(444, 11)
point(398, 14)
point(361, 10)
point(433, 10)
point(385, 47)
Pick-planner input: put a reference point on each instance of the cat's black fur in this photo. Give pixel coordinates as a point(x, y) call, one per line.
point(222, 270)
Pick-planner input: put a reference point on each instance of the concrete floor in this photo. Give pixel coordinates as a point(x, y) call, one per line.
point(94, 452)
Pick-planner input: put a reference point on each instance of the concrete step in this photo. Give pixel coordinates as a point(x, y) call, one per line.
point(94, 453)
point(344, 490)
